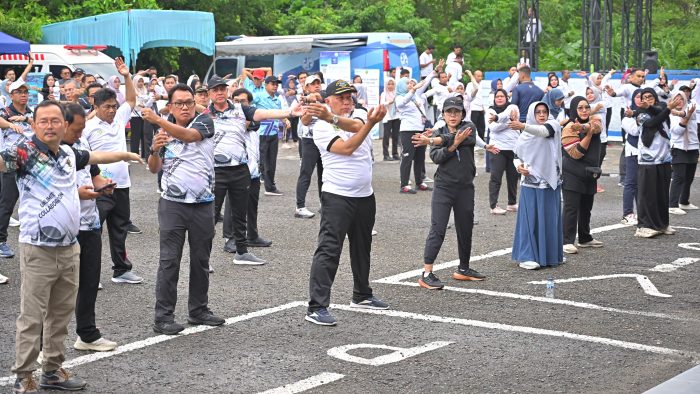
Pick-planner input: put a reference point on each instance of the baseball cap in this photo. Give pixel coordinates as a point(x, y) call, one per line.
point(215, 81)
point(259, 74)
point(339, 87)
point(18, 84)
point(311, 79)
point(272, 79)
point(78, 71)
point(453, 103)
point(202, 89)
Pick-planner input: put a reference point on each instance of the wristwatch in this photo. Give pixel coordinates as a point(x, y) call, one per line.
point(431, 141)
point(335, 119)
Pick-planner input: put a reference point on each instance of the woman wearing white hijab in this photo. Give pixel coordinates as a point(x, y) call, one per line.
point(139, 128)
point(538, 239)
point(391, 121)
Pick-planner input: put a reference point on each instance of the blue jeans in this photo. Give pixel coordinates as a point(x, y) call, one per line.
point(629, 194)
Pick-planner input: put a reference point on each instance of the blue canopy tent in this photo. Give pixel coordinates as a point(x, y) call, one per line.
point(11, 45)
point(134, 30)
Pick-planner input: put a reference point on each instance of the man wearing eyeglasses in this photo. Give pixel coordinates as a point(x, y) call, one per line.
point(105, 132)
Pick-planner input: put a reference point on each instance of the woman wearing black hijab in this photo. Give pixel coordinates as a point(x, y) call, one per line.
point(581, 157)
point(505, 139)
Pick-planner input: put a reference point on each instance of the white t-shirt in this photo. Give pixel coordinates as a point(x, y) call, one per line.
point(102, 136)
point(426, 58)
point(454, 70)
point(89, 216)
point(564, 87)
point(347, 176)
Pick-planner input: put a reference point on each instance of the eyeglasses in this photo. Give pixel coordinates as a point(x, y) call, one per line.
point(21, 92)
point(542, 112)
point(182, 104)
point(46, 122)
point(453, 112)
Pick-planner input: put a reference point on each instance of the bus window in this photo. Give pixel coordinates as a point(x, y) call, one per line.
point(259, 61)
point(227, 66)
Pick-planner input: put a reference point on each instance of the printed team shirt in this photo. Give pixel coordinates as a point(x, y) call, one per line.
point(348, 176)
point(11, 138)
point(49, 208)
point(253, 151)
point(89, 216)
point(230, 135)
point(103, 136)
point(265, 101)
point(188, 167)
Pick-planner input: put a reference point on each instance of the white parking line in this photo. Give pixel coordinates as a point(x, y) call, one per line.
point(643, 281)
point(306, 384)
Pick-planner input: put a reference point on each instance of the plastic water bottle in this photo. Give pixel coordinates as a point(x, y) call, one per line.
point(549, 288)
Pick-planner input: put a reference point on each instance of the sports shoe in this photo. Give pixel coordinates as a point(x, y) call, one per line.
point(396, 157)
point(15, 223)
point(629, 219)
point(61, 379)
point(686, 207)
point(374, 232)
point(467, 274)
point(669, 230)
point(26, 384)
point(230, 246)
point(133, 229)
point(370, 303)
point(99, 286)
point(303, 213)
point(407, 190)
point(388, 158)
point(512, 208)
point(428, 180)
point(570, 249)
point(274, 192)
point(645, 232)
point(167, 328)
point(424, 187)
point(498, 211)
point(529, 265)
point(321, 317)
point(128, 277)
point(3, 279)
point(207, 319)
point(594, 243)
point(676, 211)
point(430, 281)
point(258, 242)
point(247, 259)
point(6, 251)
point(100, 345)
point(210, 269)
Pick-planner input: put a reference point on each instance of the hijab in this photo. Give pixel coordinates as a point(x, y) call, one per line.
point(402, 87)
point(550, 98)
point(573, 113)
point(110, 86)
point(389, 96)
point(541, 154)
point(500, 108)
point(634, 107)
point(140, 91)
point(494, 86)
point(648, 131)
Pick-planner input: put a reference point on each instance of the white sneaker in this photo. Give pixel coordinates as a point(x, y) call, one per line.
point(3, 279)
point(374, 232)
point(669, 230)
point(529, 265)
point(676, 211)
point(498, 211)
point(689, 207)
point(512, 208)
point(15, 223)
point(303, 213)
point(594, 243)
point(99, 286)
point(570, 249)
point(630, 219)
point(644, 232)
point(100, 345)
point(430, 180)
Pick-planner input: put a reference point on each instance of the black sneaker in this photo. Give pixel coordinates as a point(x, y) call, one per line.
point(26, 384)
point(167, 328)
point(207, 319)
point(258, 242)
point(61, 379)
point(321, 317)
point(396, 157)
point(467, 274)
point(370, 303)
point(132, 229)
point(230, 246)
point(430, 282)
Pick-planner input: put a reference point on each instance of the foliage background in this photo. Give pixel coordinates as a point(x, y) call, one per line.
point(487, 29)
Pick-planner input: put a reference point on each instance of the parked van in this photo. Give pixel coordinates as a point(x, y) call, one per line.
point(52, 58)
point(289, 55)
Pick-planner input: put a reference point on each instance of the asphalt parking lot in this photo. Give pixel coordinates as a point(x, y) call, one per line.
point(624, 319)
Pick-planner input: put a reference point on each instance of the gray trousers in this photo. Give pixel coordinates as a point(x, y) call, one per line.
point(175, 219)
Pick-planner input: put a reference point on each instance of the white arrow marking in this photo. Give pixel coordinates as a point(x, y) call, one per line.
point(306, 384)
point(690, 245)
point(644, 282)
point(397, 354)
point(682, 262)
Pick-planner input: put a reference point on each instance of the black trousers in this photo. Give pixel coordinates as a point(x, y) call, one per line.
point(9, 194)
point(310, 159)
point(683, 174)
point(251, 215)
point(141, 135)
point(445, 199)
point(340, 216)
point(411, 156)
point(292, 131)
point(477, 117)
point(90, 263)
point(500, 163)
point(116, 211)
point(577, 215)
point(391, 132)
point(175, 220)
point(653, 184)
point(269, 145)
point(234, 181)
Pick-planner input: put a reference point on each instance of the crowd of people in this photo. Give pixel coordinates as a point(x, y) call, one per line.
point(214, 143)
